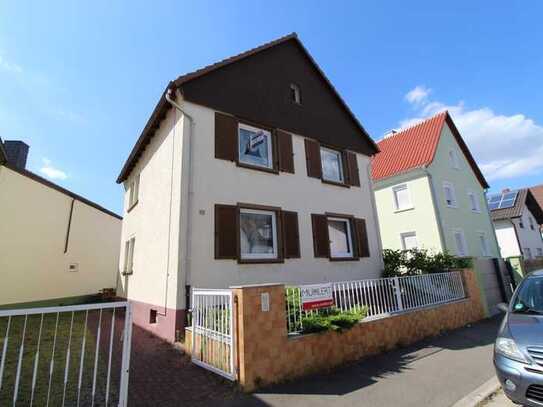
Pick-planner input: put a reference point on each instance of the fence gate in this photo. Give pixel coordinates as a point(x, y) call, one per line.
point(65, 356)
point(212, 331)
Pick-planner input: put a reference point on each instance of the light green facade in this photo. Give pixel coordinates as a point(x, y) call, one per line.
point(433, 221)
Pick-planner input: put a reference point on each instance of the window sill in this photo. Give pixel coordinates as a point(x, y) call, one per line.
point(257, 167)
point(260, 261)
point(339, 184)
point(344, 258)
point(452, 206)
point(132, 206)
point(404, 209)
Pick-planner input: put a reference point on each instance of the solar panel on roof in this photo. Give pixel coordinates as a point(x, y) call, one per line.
point(502, 201)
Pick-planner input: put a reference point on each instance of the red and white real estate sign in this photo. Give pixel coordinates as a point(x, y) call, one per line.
point(317, 296)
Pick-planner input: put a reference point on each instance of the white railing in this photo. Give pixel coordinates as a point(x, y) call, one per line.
point(71, 355)
point(212, 331)
point(382, 296)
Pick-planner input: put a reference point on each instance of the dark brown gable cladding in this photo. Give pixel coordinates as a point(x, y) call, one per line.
point(256, 86)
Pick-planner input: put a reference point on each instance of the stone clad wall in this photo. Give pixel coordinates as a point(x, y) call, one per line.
point(266, 354)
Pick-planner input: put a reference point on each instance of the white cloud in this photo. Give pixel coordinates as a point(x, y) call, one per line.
point(9, 66)
point(52, 172)
point(503, 146)
point(418, 95)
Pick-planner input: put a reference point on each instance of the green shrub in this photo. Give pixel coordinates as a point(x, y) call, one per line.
point(420, 261)
point(332, 319)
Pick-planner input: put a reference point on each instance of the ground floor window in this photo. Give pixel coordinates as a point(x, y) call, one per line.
point(483, 242)
point(341, 242)
point(258, 234)
point(409, 240)
point(460, 241)
point(527, 253)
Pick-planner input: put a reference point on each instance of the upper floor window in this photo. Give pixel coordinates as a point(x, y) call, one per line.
point(133, 191)
point(474, 202)
point(402, 197)
point(454, 159)
point(332, 165)
point(461, 246)
point(527, 253)
point(295, 95)
point(531, 222)
point(539, 252)
point(255, 146)
point(450, 195)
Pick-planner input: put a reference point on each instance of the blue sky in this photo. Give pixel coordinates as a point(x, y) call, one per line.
point(78, 80)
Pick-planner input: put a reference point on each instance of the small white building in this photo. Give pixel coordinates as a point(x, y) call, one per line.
point(517, 218)
point(56, 247)
point(252, 170)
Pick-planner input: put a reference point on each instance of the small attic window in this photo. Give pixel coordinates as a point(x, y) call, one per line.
point(295, 95)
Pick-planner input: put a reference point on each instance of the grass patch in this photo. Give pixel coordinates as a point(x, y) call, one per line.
point(52, 347)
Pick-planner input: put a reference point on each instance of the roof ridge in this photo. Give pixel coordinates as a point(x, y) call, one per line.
point(420, 123)
point(201, 71)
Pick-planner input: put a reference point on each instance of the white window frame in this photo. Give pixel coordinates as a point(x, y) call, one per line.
point(268, 135)
point(454, 159)
point(129, 247)
point(474, 201)
point(260, 256)
point(405, 235)
point(350, 253)
point(340, 161)
point(133, 191)
point(397, 188)
point(483, 242)
point(297, 93)
point(454, 201)
point(464, 243)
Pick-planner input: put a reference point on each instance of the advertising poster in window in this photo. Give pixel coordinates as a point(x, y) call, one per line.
point(317, 296)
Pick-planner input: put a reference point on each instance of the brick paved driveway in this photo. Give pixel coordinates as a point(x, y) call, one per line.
point(161, 375)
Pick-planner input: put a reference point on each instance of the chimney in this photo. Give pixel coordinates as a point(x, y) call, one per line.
point(17, 152)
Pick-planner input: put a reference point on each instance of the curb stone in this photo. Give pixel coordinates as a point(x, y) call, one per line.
point(480, 394)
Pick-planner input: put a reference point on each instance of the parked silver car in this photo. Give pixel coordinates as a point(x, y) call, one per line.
point(518, 352)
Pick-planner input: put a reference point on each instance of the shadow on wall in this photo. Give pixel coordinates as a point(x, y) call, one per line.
point(368, 371)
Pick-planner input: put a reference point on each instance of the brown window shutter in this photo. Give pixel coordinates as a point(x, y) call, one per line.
point(226, 233)
point(285, 152)
point(226, 137)
point(291, 237)
point(353, 177)
point(362, 238)
point(313, 158)
point(321, 241)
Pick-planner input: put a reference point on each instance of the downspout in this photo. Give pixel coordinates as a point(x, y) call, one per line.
point(188, 206)
point(375, 214)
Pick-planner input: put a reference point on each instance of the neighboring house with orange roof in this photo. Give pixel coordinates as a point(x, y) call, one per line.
point(430, 193)
point(537, 192)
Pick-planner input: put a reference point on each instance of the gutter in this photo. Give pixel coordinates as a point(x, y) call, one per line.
point(188, 207)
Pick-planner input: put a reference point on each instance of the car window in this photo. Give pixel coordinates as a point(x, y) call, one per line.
point(530, 296)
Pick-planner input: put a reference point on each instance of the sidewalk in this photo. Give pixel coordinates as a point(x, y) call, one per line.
point(435, 372)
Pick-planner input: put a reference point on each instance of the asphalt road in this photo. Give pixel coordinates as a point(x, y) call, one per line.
point(435, 372)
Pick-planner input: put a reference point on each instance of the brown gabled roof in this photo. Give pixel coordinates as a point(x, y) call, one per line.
point(163, 106)
point(537, 192)
point(415, 147)
point(524, 198)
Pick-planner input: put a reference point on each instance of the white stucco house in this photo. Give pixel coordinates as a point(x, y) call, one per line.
point(517, 217)
point(56, 247)
point(251, 170)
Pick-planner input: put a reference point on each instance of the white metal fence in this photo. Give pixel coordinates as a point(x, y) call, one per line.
point(383, 296)
point(73, 355)
point(212, 331)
